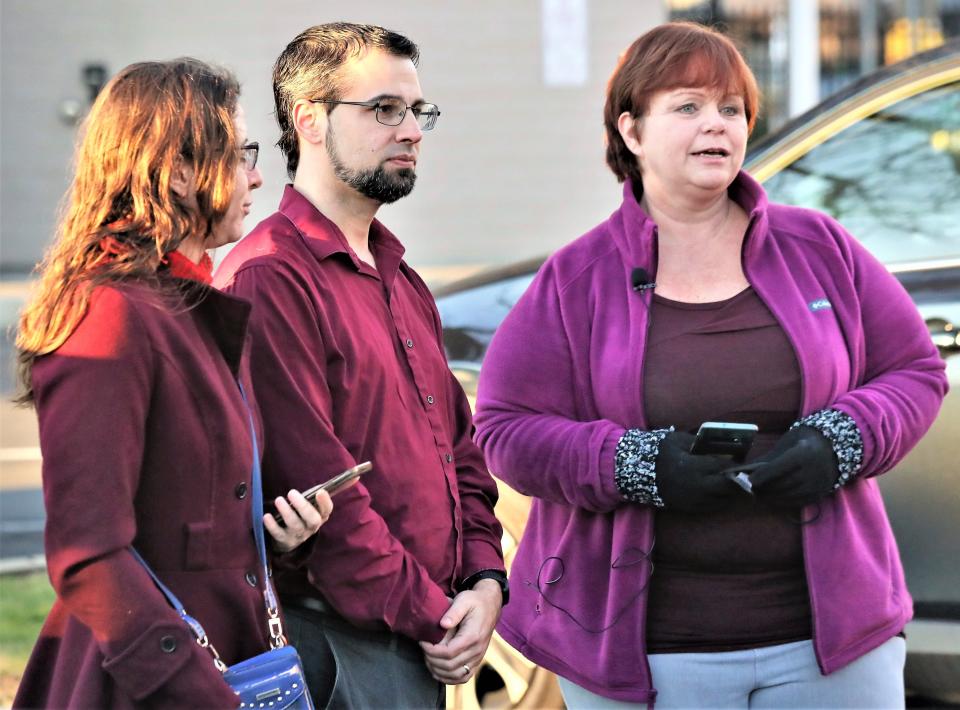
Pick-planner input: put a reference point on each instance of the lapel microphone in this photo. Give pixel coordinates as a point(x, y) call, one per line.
point(640, 280)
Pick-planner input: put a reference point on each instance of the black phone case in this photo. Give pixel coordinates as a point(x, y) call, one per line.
point(732, 442)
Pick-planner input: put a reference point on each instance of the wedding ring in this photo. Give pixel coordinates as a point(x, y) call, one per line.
point(466, 669)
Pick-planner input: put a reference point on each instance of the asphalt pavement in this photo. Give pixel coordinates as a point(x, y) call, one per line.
point(21, 523)
point(21, 501)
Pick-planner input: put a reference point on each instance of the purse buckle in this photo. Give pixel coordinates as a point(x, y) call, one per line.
point(276, 632)
point(204, 642)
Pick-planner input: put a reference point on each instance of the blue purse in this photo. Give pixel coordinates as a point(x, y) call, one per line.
point(273, 679)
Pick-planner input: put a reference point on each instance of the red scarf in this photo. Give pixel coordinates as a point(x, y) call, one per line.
point(181, 267)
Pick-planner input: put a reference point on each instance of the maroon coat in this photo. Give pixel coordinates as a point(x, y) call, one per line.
point(146, 441)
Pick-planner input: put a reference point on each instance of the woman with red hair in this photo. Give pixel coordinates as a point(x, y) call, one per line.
point(773, 582)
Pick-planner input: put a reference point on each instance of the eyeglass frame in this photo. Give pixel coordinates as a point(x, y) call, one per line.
point(244, 151)
point(375, 104)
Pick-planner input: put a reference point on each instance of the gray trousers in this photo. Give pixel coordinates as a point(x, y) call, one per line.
point(353, 668)
point(784, 676)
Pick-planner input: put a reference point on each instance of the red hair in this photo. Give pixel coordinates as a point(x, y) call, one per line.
point(674, 55)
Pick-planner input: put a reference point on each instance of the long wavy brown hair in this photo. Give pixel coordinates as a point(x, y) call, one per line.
point(120, 216)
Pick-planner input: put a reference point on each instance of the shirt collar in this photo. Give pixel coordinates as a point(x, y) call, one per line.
point(324, 238)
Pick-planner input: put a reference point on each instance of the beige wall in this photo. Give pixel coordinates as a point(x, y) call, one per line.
point(513, 169)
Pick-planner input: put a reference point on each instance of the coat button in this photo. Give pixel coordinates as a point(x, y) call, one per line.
point(251, 579)
point(409, 342)
point(429, 399)
point(449, 457)
point(241, 490)
point(168, 644)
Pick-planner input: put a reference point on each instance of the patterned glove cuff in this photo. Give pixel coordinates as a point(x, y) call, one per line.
point(633, 465)
point(844, 435)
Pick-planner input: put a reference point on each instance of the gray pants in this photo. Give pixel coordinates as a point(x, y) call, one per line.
point(784, 676)
point(349, 668)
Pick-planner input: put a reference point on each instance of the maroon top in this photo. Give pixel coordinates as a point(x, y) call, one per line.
point(348, 365)
point(146, 441)
point(735, 578)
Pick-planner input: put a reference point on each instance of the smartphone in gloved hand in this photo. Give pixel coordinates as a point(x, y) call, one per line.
point(725, 439)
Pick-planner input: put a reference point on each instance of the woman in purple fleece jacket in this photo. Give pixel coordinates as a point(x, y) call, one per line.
point(645, 573)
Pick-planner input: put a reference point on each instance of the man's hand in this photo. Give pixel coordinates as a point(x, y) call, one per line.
point(469, 623)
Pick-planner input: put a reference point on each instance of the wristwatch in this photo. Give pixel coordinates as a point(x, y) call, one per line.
point(496, 575)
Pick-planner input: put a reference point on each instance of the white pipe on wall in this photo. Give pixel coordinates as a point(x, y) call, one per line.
point(803, 31)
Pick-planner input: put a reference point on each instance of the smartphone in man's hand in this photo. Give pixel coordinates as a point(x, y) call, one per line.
point(331, 486)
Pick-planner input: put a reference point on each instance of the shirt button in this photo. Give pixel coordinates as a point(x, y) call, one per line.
point(251, 579)
point(168, 644)
point(241, 490)
point(409, 342)
point(449, 457)
point(429, 399)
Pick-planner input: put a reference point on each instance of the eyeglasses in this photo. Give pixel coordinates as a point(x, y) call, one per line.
point(249, 154)
point(391, 112)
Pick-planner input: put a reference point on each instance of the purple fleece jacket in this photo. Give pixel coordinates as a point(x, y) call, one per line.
point(563, 379)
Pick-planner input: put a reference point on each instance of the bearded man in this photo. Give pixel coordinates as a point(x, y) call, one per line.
point(401, 590)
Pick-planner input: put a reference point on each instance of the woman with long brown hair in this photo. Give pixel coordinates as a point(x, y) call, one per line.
point(138, 372)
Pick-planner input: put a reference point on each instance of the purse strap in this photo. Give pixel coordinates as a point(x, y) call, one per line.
point(277, 639)
point(179, 608)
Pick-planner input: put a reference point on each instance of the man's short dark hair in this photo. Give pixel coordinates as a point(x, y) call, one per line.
point(308, 69)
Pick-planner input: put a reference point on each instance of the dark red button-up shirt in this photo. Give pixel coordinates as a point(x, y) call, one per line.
point(348, 366)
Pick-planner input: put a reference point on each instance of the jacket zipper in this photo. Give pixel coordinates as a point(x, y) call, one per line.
point(803, 405)
point(647, 301)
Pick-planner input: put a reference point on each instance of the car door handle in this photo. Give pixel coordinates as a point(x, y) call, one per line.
point(945, 335)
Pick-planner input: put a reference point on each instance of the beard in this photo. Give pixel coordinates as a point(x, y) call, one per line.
point(376, 183)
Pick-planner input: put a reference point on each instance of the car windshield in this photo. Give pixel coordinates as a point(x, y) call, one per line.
point(892, 179)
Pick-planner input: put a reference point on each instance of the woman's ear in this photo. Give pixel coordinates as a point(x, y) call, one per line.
point(629, 128)
point(181, 180)
point(310, 121)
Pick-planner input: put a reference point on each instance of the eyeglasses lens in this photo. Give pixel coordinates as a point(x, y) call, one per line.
point(392, 113)
point(427, 116)
point(249, 154)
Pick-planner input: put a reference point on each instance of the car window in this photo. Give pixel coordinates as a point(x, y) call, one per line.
point(470, 317)
point(892, 179)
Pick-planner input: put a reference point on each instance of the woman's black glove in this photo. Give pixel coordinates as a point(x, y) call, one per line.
point(689, 482)
point(801, 469)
